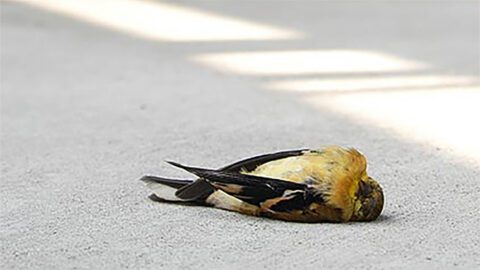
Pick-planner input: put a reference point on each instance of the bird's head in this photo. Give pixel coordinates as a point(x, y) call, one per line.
point(368, 201)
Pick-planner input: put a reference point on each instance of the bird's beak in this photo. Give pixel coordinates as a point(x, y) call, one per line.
point(372, 203)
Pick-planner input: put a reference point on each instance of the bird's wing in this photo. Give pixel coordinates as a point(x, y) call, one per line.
point(250, 164)
point(281, 195)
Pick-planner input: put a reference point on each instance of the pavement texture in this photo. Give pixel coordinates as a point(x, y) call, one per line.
point(87, 110)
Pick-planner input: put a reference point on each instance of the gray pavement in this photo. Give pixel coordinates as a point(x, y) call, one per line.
point(86, 110)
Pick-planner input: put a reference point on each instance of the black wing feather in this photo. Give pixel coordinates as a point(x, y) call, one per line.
point(239, 178)
point(252, 163)
point(174, 183)
point(297, 200)
point(254, 189)
point(196, 191)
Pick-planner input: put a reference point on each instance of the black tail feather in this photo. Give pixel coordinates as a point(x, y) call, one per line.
point(197, 191)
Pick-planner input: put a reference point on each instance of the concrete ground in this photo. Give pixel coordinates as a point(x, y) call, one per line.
point(87, 109)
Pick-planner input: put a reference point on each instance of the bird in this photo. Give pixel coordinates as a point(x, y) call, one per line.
point(328, 184)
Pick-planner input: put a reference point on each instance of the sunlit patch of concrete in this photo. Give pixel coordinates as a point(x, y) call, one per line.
point(267, 63)
point(446, 118)
point(377, 83)
point(162, 21)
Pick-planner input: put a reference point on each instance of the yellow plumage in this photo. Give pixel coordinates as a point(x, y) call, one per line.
point(333, 170)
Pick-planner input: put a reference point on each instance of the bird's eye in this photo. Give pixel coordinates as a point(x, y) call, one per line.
point(364, 189)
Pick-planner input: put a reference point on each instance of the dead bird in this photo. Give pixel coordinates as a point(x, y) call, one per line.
point(326, 185)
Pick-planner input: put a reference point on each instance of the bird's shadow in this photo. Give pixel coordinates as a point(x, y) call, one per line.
point(384, 218)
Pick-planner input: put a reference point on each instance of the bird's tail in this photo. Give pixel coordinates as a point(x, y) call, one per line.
point(164, 188)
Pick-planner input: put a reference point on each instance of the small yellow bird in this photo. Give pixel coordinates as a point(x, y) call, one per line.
point(326, 185)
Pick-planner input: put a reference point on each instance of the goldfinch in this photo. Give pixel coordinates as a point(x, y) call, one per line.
point(326, 185)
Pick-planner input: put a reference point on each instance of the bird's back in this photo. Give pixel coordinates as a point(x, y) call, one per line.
point(315, 167)
point(300, 169)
